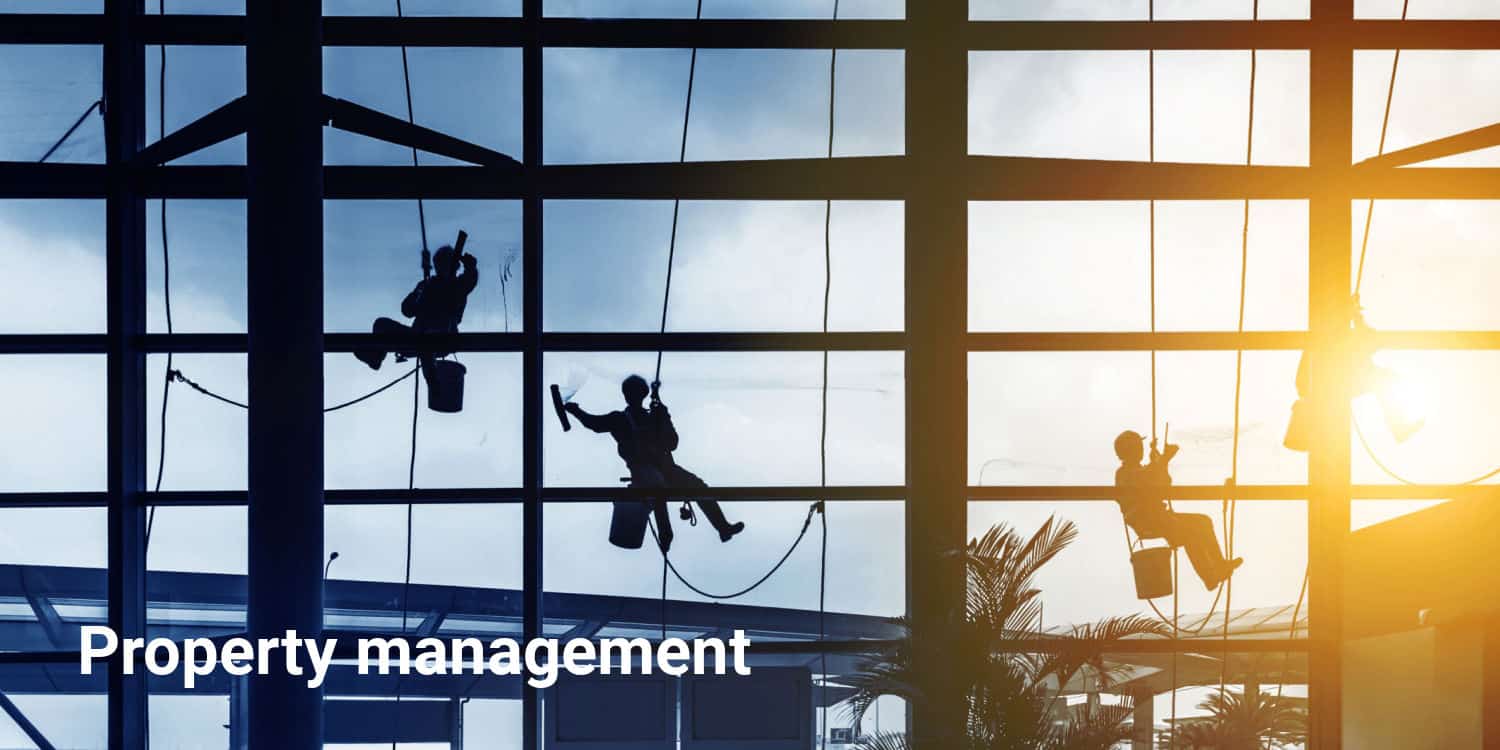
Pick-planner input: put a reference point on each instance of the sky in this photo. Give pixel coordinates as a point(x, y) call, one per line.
point(758, 266)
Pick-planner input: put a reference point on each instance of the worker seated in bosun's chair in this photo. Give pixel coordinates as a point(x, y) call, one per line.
point(646, 438)
point(435, 305)
point(1141, 491)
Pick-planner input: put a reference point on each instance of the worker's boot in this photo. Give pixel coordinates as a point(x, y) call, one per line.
point(370, 357)
point(727, 532)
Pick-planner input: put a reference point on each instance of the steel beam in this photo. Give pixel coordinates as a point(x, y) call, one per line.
point(1330, 358)
point(125, 303)
point(533, 578)
point(990, 178)
point(285, 358)
point(936, 252)
point(364, 31)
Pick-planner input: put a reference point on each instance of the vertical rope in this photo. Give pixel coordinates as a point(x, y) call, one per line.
point(416, 389)
point(1239, 369)
point(833, 63)
point(166, 287)
point(687, 114)
point(1390, 94)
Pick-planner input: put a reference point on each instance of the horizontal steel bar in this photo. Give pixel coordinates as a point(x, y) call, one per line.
point(1019, 341)
point(53, 343)
point(1136, 341)
point(991, 178)
point(33, 28)
point(872, 493)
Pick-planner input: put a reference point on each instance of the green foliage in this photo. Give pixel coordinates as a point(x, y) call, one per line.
point(1010, 699)
point(1238, 722)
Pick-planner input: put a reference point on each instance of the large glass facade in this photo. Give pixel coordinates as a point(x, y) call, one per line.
point(920, 266)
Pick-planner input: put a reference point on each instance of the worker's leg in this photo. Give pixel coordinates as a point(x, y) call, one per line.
point(428, 372)
point(376, 356)
point(663, 523)
point(679, 477)
point(1194, 532)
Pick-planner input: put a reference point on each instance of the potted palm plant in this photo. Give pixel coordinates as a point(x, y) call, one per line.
point(1012, 699)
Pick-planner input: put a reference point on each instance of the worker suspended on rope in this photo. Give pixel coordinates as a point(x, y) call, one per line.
point(1141, 491)
point(645, 438)
point(435, 305)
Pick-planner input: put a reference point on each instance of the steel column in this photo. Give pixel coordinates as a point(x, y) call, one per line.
point(125, 261)
point(285, 359)
point(533, 580)
point(1330, 155)
point(936, 357)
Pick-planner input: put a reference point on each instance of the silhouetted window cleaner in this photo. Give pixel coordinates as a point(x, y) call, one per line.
point(1141, 492)
point(435, 305)
point(645, 438)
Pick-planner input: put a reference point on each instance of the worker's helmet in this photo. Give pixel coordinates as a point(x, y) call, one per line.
point(1128, 446)
point(635, 388)
point(445, 260)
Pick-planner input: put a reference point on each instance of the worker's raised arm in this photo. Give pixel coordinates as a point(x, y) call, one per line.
point(470, 276)
point(595, 422)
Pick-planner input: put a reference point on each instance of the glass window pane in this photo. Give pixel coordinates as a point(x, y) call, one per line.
point(373, 258)
point(207, 242)
point(1391, 9)
point(1016, 438)
point(1095, 105)
point(809, 9)
point(56, 557)
point(206, 438)
point(1140, 10)
point(200, 79)
point(426, 8)
point(52, 250)
point(1429, 265)
point(580, 560)
point(739, 266)
point(368, 445)
point(43, 91)
point(1451, 395)
point(56, 407)
point(1438, 93)
point(740, 428)
point(445, 97)
point(1091, 578)
point(1085, 266)
point(747, 104)
point(68, 708)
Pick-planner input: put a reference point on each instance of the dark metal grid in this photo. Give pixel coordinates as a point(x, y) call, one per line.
point(934, 37)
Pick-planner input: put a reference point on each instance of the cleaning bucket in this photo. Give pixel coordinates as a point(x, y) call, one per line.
point(1153, 572)
point(627, 526)
point(445, 392)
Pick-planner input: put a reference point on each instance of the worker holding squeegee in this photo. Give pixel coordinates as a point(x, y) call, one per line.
point(645, 438)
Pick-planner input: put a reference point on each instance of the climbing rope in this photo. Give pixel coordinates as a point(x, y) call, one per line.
point(178, 376)
point(411, 469)
point(818, 507)
point(1239, 374)
point(166, 281)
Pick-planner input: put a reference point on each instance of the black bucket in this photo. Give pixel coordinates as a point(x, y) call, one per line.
point(445, 391)
point(1153, 572)
point(627, 525)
